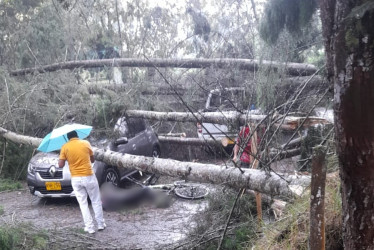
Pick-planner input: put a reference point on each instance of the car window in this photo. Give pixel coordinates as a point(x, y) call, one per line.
point(121, 127)
point(136, 125)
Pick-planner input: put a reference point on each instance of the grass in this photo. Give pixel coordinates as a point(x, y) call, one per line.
point(1, 210)
point(22, 236)
point(211, 223)
point(8, 185)
point(291, 231)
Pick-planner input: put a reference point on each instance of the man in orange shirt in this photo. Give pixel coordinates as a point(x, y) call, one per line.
point(79, 155)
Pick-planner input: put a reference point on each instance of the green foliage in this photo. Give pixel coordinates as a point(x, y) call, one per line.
point(1, 210)
point(239, 239)
point(242, 227)
point(286, 14)
point(9, 238)
point(265, 88)
point(359, 11)
point(291, 231)
point(40, 240)
point(315, 55)
point(351, 39)
point(7, 184)
point(30, 32)
point(357, 34)
point(17, 237)
point(314, 137)
point(14, 163)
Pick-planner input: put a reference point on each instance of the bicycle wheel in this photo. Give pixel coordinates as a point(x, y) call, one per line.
point(190, 191)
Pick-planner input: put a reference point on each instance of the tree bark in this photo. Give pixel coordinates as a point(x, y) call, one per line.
point(349, 37)
point(286, 187)
point(224, 117)
point(20, 139)
point(98, 88)
point(293, 69)
point(317, 199)
point(189, 141)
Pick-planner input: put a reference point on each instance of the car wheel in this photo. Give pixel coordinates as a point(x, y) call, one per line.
point(156, 152)
point(111, 175)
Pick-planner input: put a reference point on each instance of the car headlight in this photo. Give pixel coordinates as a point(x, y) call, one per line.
point(31, 169)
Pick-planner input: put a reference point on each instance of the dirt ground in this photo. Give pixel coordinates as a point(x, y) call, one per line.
point(142, 227)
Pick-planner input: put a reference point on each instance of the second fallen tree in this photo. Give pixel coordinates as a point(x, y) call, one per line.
point(233, 117)
point(286, 187)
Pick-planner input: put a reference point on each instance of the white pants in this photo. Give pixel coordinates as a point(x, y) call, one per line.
point(88, 185)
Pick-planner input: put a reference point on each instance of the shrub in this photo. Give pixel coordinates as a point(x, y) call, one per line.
point(9, 238)
point(14, 163)
point(7, 184)
point(241, 229)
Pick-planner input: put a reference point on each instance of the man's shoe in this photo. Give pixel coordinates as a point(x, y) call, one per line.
point(101, 227)
point(89, 230)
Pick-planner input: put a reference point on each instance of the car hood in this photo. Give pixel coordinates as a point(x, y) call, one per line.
point(45, 160)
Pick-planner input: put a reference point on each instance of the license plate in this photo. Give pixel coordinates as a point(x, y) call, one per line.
point(53, 185)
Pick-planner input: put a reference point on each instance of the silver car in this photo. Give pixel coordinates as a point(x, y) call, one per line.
point(132, 136)
point(227, 99)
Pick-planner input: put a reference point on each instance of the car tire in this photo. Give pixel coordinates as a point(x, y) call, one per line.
point(156, 152)
point(111, 175)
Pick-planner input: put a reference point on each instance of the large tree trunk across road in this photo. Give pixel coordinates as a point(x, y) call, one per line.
point(293, 69)
point(286, 187)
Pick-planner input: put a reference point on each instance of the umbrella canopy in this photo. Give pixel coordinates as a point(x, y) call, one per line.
point(58, 137)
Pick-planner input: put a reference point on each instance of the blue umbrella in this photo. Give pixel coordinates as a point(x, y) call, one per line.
point(58, 137)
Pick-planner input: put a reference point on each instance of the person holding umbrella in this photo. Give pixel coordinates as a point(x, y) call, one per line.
point(78, 153)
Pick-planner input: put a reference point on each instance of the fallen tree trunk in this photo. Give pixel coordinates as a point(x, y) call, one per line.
point(175, 135)
point(269, 183)
point(189, 141)
point(293, 69)
point(20, 139)
point(100, 88)
point(225, 117)
point(286, 187)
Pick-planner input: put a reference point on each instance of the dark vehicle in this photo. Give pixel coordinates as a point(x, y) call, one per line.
point(132, 136)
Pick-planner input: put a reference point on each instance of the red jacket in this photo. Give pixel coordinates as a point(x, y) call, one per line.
point(244, 133)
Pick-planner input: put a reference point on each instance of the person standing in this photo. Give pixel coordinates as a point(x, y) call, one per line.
point(243, 141)
point(79, 155)
point(245, 157)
